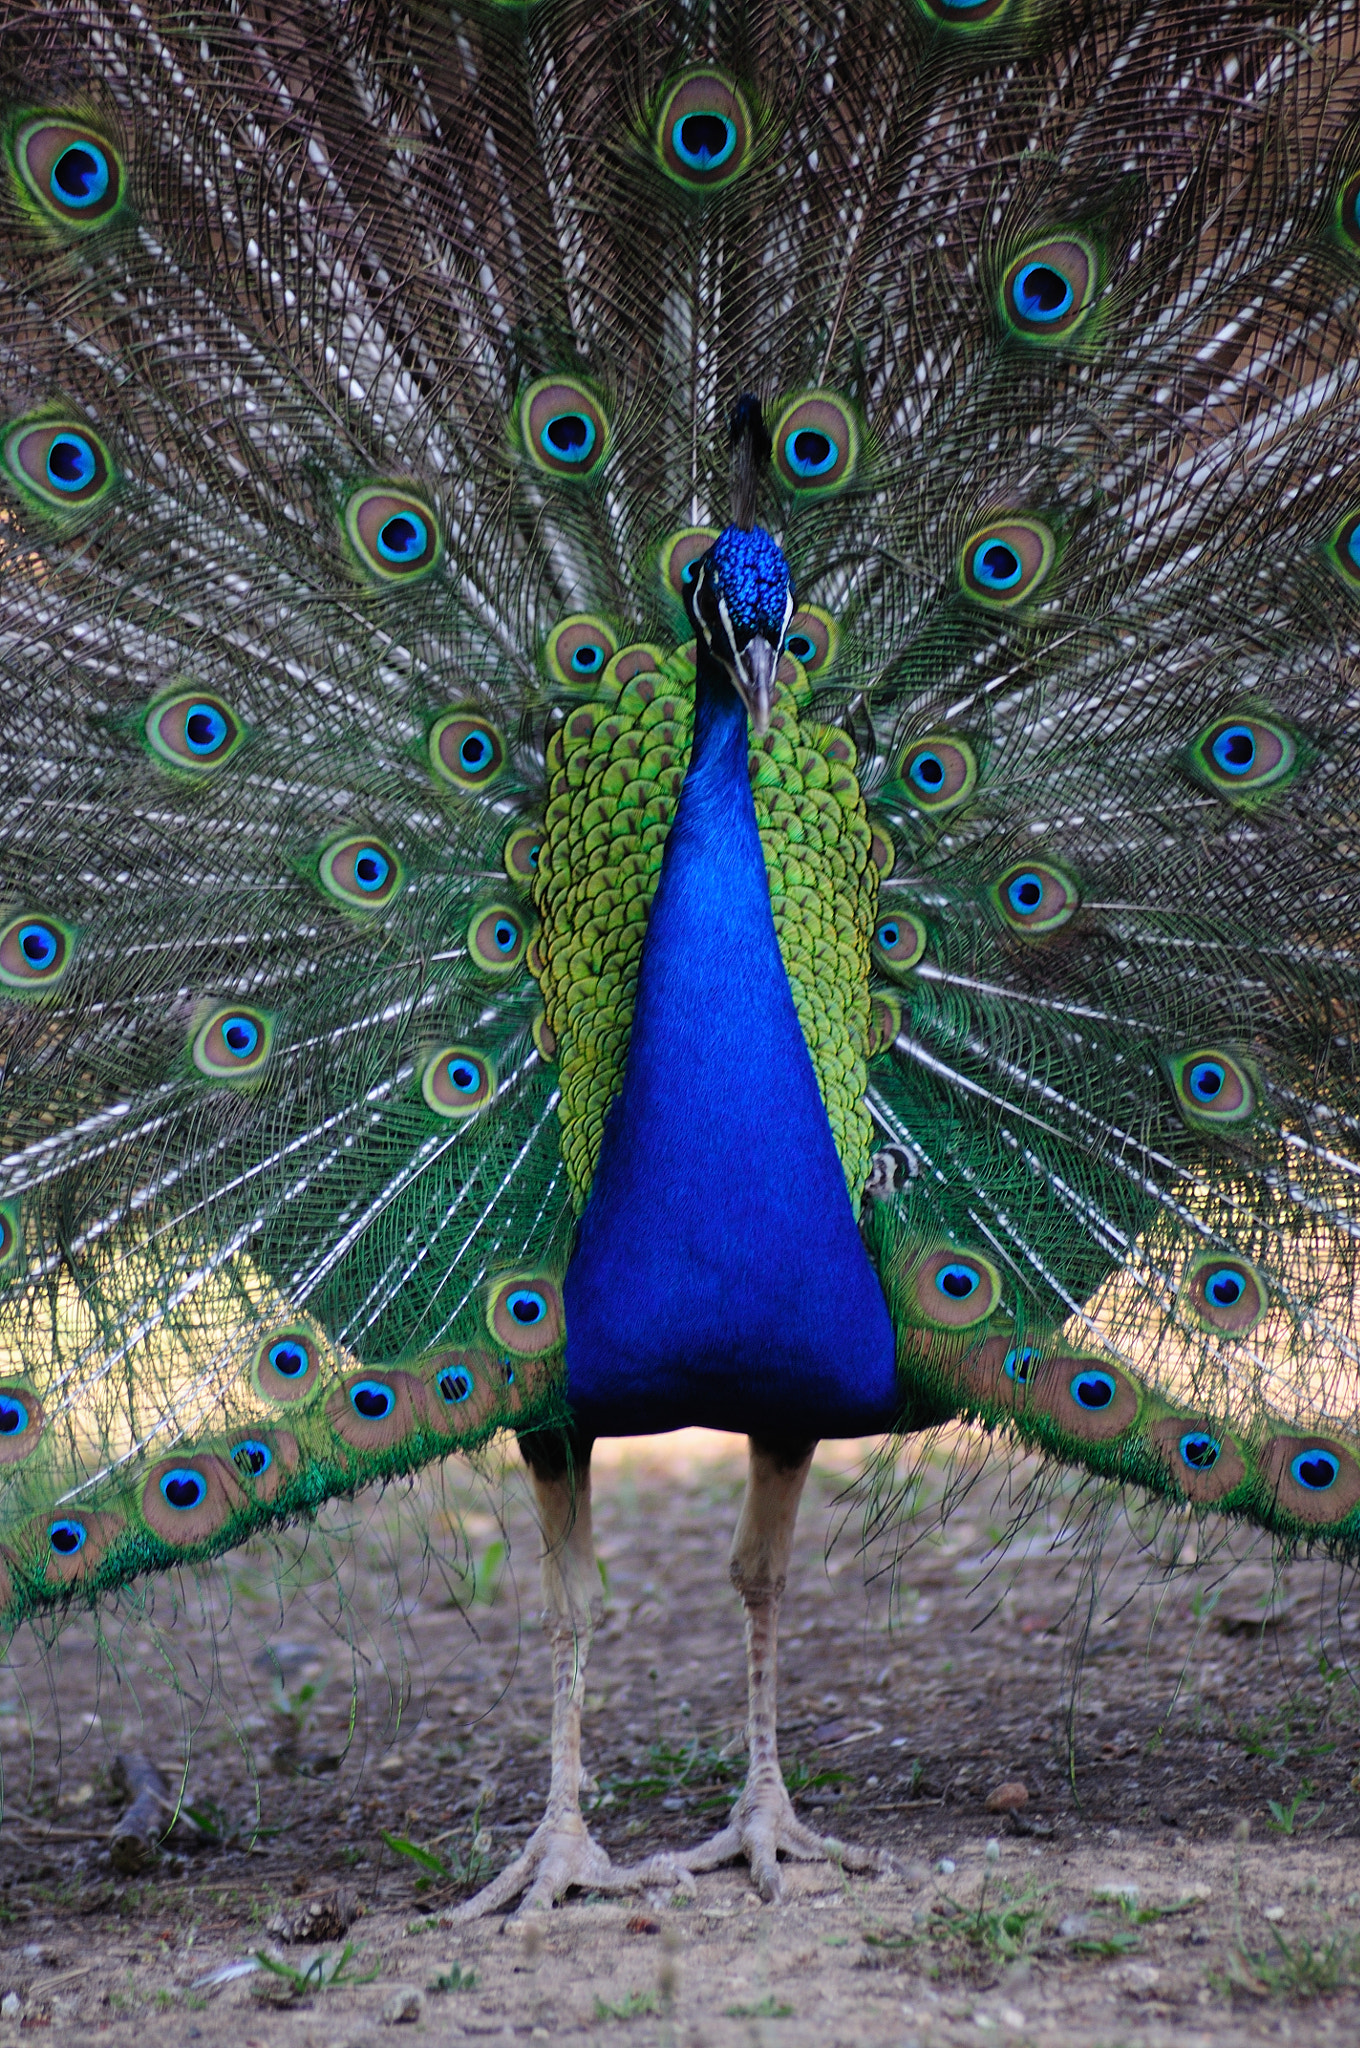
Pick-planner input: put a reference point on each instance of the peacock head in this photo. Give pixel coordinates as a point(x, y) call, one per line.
point(740, 603)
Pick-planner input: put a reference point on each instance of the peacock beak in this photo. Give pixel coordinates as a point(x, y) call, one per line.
point(756, 664)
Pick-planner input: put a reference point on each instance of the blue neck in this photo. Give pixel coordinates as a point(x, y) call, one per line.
point(719, 1276)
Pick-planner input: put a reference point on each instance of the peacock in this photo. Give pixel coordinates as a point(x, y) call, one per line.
point(681, 745)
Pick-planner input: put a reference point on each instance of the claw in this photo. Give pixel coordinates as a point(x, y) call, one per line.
point(763, 1827)
point(560, 1857)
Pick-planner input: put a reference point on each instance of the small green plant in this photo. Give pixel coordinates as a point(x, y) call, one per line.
point(438, 1872)
point(1292, 1969)
point(1000, 1929)
point(324, 1972)
point(1287, 1818)
point(455, 1978)
point(632, 2007)
point(769, 2008)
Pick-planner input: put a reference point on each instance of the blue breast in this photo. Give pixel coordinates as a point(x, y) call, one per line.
point(719, 1276)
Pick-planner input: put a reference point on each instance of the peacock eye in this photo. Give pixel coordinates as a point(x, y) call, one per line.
point(285, 1365)
point(524, 1313)
point(1047, 292)
point(63, 468)
point(497, 939)
point(1225, 1294)
point(373, 1400)
point(1005, 562)
point(466, 749)
point(1092, 1390)
point(882, 849)
point(456, 1081)
point(183, 1488)
point(963, 13)
point(76, 176)
point(899, 942)
point(578, 649)
point(395, 538)
point(1034, 898)
point(940, 773)
point(1316, 1469)
point(1348, 210)
point(35, 951)
point(1200, 1451)
point(13, 1415)
point(1243, 755)
point(193, 729)
point(454, 1385)
point(680, 553)
point(812, 638)
point(703, 132)
point(360, 872)
point(1344, 549)
point(251, 1458)
point(885, 1022)
point(1019, 1364)
point(10, 1235)
point(544, 1037)
point(67, 1536)
point(1212, 1088)
point(232, 1044)
point(564, 428)
point(956, 1290)
point(816, 443)
point(520, 854)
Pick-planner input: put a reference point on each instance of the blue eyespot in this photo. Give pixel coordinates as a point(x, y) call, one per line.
point(1042, 293)
point(465, 1076)
point(475, 751)
point(526, 1306)
point(253, 1457)
point(1205, 1080)
point(372, 1400)
point(80, 175)
point(183, 1488)
point(1200, 1451)
point(38, 944)
point(505, 935)
point(1093, 1390)
point(810, 453)
point(569, 437)
point(454, 1384)
point(927, 771)
point(403, 538)
point(371, 869)
point(1234, 750)
point(888, 933)
point(240, 1035)
point(801, 646)
point(1025, 893)
point(1316, 1470)
point(204, 729)
point(1018, 1365)
point(958, 1281)
point(586, 660)
point(71, 462)
point(289, 1358)
point(13, 1416)
point(704, 141)
point(996, 565)
point(1224, 1288)
point(66, 1538)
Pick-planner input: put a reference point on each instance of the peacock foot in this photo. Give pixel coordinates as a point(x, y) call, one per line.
point(764, 1827)
point(561, 1856)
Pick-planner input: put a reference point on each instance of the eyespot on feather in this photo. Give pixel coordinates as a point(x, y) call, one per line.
point(498, 938)
point(812, 637)
point(1225, 1293)
point(1212, 1088)
point(287, 1364)
point(22, 1422)
point(1203, 1460)
point(1089, 1397)
point(67, 1547)
point(702, 132)
point(75, 174)
point(524, 1313)
point(1004, 563)
point(940, 773)
point(563, 427)
point(35, 952)
point(885, 1021)
point(359, 872)
point(1243, 756)
point(1034, 898)
point(679, 554)
point(1348, 211)
point(59, 465)
point(193, 729)
point(816, 443)
point(544, 1037)
point(1314, 1479)
point(11, 1238)
point(882, 848)
point(1048, 290)
point(260, 1460)
point(396, 538)
point(899, 942)
point(456, 1081)
point(640, 658)
point(519, 855)
point(466, 749)
point(1343, 549)
point(579, 649)
point(955, 1290)
point(233, 1043)
point(459, 1390)
point(373, 1411)
point(187, 1499)
point(962, 14)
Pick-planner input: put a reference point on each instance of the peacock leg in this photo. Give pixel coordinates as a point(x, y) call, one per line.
point(763, 1823)
point(560, 1853)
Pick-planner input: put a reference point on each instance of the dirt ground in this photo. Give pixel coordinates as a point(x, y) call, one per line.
point(1185, 1871)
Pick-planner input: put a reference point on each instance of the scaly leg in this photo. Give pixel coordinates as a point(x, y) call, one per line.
point(560, 1853)
point(763, 1823)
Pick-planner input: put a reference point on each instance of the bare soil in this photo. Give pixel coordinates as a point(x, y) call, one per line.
point(1184, 1869)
